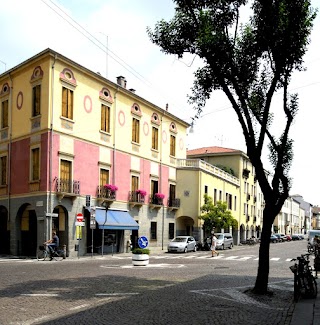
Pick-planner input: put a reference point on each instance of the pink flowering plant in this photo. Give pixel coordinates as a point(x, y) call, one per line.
point(110, 187)
point(141, 192)
point(159, 196)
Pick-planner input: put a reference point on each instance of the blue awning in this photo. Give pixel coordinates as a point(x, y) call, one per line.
point(116, 219)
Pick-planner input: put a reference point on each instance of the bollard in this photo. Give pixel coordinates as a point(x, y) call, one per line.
point(64, 251)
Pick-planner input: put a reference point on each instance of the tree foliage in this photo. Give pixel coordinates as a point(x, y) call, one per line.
point(249, 62)
point(216, 216)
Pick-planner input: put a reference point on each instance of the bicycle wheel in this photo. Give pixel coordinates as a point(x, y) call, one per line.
point(42, 255)
point(296, 288)
point(312, 287)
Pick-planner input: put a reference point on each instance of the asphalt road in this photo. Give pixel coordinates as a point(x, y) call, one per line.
point(190, 288)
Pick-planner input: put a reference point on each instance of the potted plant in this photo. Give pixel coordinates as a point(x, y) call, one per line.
point(140, 256)
point(111, 188)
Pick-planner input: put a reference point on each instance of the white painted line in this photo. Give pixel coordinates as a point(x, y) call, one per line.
point(245, 258)
point(118, 294)
point(39, 294)
point(256, 259)
point(275, 259)
point(289, 260)
point(232, 257)
point(79, 307)
point(191, 256)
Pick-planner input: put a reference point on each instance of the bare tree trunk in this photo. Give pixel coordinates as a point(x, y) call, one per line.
point(261, 285)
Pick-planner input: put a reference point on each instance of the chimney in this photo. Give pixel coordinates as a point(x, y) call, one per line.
point(132, 90)
point(121, 81)
point(167, 107)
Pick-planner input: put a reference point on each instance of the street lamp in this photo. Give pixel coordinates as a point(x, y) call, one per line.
point(106, 205)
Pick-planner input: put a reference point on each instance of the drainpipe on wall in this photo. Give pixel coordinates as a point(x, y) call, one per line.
point(114, 137)
point(9, 148)
point(49, 200)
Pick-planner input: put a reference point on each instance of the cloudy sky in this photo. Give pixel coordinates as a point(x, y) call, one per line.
point(82, 30)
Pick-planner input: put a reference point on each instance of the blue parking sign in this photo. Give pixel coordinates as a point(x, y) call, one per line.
point(143, 242)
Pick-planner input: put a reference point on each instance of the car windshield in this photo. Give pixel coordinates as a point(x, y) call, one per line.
point(219, 236)
point(180, 239)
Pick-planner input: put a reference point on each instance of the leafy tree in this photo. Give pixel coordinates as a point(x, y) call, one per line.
point(249, 63)
point(216, 216)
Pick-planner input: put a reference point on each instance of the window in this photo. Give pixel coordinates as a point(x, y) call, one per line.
point(35, 164)
point(4, 114)
point(104, 177)
point(135, 130)
point(171, 230)
point(36, 94)
point(206, 189)
point(154, 187)
point(65, 175)
point(230, 202)
point(153, 230)
point(134, 183)
point(220, 195)
point(3, 166)
point(155, 138)
point(235, 203)
point(215, 196)
point(105, 118)
point(67, 103)
point(172, 145)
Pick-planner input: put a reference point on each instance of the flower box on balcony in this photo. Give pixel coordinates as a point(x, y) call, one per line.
point(159, 196)
point(111, 188)
point(142, 193)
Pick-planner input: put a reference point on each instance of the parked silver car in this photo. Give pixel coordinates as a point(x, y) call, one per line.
point(224, 240)
point(182, 244)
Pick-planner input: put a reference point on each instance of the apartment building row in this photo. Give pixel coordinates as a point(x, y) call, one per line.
point(74, 143)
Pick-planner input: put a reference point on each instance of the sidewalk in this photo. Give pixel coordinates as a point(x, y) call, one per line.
point(307, 311)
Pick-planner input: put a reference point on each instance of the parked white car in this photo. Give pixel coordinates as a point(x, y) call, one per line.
point(182, 244)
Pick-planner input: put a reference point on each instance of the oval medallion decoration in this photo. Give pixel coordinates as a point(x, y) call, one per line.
point(19, 100)
point(87, 103)
point(181, 144)
point(121, 118)
point(145, 128)
point(164, 136)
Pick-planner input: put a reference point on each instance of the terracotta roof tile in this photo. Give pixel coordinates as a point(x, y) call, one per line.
point(210, 150)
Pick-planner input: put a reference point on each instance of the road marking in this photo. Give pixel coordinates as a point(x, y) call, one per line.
point(275, 259)
point(245, 258)
point(79, 307)
point(232, 257)
point(118, 294)
point(40, 294)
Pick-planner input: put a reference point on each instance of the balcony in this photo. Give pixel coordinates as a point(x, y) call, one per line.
point(254, 219)
point(67, 188)
point(155, 202)
point(173, 204)
point(105, 195)
point(136, 199)
point(245, 173)
point(248, 197)
point(248, 218)
point(254, 199)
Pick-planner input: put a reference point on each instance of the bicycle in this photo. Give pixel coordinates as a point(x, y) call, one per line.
point(43, 253)
point(305, 284)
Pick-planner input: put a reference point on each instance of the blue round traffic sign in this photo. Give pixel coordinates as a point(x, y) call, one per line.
point(143, 242)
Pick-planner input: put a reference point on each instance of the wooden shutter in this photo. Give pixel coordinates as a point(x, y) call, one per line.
point(104, 177)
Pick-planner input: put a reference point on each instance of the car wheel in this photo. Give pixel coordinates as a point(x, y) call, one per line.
point(231, 245)
point(222, 247)
point(186, 249)
point(195, 248)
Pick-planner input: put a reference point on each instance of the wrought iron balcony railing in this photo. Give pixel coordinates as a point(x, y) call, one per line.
point(67, 186)
point(135, 197)
point(155, 200)
point(174, 203)
point(104, 193)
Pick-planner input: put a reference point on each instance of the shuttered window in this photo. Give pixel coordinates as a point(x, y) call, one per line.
point(105, 118)
point(104, 177)
point(154, 138)
point(67, 103)
point(4, 115)
point(134, 183)
point(35, 163)
point(36, 94)
point(3, 166)
point(172, 145)
point(135, 130)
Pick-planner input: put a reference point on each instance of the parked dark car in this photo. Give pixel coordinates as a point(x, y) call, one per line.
point(279, 238)
point(274, 239)
point(296, 237)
